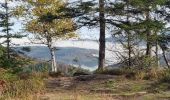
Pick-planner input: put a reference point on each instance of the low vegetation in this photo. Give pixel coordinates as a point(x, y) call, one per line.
point(20, 85)
point(34, 83)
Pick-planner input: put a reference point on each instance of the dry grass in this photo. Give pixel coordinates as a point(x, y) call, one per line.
point(22, 88)
point(78, 96)
point(90, 87)
point(106, 87)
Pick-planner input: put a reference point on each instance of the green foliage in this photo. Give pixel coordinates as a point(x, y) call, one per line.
point(117, 71)
point(38, 67)
point(49, 22)
point(7, 75)
point(143, 4)
point(129, 73)
point(15, 63)
point(6, 14)
point(80, 71)
point(146, 62)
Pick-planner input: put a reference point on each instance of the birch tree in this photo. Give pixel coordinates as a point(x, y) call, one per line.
point(48, 29)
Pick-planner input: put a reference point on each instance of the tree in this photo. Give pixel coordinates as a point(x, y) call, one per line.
point(102, 35)
point(6, 25)
point(136, 18)
point(46, 28)
point(122, 19)
point(163, 43)
point(91, 14)
point(148, 9)
point(6, 14)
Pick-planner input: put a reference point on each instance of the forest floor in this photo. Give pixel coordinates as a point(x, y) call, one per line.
point(103, 87)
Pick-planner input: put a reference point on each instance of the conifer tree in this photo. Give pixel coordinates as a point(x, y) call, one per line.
point(140, 21)
point(6, 14)
point(91, 14)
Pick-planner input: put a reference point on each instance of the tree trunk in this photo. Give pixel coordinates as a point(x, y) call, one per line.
point(164, 56)
point(148, 49)
point(129, 49)
point(129, 37)
point(102, 44)
point(7, 30)
point(157, 57)
point(53, 60)
point(148, 35)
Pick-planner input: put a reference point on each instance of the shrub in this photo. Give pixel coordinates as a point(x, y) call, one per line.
point(23, 88)
point(81, 71)
point(117, 71)
point(147, 62)
point(7, 75)
point(38, 67)
point(165, 77)
point(153, 73)
point(17, 87)
point(56, 74)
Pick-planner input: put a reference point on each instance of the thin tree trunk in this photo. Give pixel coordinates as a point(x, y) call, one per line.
point(102, 44)
point(148, 35)
point(53, 60)
point(129, 38)
point(7, 30)
point(148, 49)
point(157, 57)
point(164, 56)
point(129, 48)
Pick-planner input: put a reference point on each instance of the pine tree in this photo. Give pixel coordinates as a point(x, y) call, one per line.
point(102, 44)
point(6, 26)
point(91, 14)
point(148, 8)
point(139, 22)
point(6, 14)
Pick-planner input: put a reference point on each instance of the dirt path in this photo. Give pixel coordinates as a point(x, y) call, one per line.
point(77, 83)
point(99, 87)
point(77, 88)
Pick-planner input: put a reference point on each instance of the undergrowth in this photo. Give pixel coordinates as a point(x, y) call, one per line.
point(15, 86)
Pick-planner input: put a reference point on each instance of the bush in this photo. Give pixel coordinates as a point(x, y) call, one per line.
point(165, 77)
point(118, 71)
point(146, 62)
point(17, 87)
point(23, 88)
point(56, 74)
point(81, 71)
point(152, 73)
point(6, 75)
point(38, 67)
point(162, 83)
